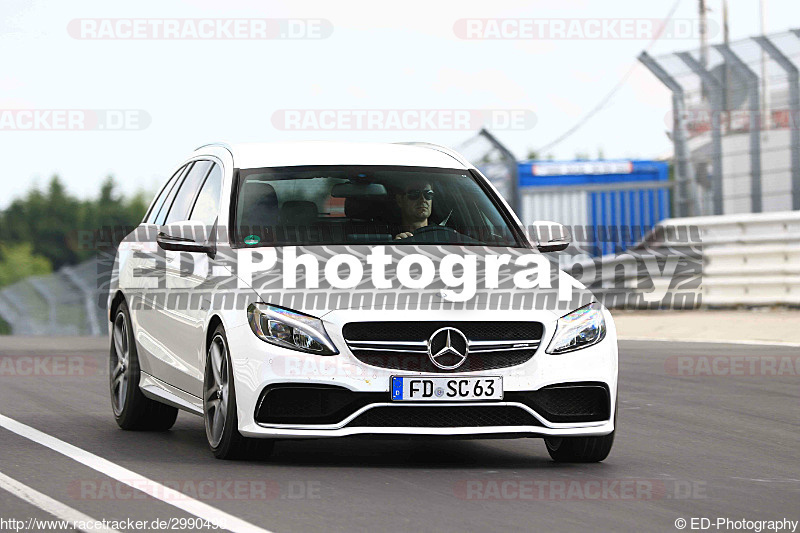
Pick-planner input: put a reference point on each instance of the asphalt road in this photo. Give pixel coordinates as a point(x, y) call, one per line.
point(715, 445)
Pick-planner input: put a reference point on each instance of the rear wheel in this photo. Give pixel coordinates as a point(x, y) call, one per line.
point(579, 449)
point(219, 406)
point(132, 410)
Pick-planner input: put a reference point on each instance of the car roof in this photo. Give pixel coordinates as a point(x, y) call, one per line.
point(256, 155)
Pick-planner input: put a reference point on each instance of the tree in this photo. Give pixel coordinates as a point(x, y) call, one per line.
point(50, 221)
point(18, 261)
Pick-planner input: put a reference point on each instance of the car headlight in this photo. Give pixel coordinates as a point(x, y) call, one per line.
point(289, 329)
point(580, 328)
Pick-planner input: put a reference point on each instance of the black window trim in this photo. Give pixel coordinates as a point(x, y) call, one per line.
point(519, 234)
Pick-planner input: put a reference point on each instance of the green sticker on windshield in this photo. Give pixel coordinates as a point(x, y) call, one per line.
point(252, 240)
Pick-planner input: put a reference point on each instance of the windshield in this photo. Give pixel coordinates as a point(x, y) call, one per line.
point(366, 205)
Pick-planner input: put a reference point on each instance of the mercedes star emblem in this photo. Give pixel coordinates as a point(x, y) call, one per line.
point(448, 348)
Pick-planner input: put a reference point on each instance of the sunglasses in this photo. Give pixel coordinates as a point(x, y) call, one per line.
point(414, 194)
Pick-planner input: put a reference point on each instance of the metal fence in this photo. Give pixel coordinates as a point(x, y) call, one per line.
point(64, 303)
point(735, 124)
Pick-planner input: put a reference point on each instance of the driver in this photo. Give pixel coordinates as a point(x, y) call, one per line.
point(415, 202)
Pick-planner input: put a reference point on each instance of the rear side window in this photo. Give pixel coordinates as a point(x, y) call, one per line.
point(188, 192)
point(168, 199)
point(162, 196)
point(206, 207)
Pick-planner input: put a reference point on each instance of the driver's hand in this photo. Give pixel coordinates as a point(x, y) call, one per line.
point(404, 235)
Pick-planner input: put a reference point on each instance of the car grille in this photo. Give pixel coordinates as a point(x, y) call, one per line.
point(568, 402)
point(404, 345)
point(295, 403)
point(444, 417)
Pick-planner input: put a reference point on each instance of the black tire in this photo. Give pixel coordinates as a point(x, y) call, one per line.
point(132, 409)
point(219, 407)
point(579, 449)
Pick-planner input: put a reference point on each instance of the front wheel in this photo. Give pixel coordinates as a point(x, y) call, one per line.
point(579, 449)
point(219, 406)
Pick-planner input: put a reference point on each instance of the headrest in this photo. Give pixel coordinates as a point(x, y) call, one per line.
point(361, 208)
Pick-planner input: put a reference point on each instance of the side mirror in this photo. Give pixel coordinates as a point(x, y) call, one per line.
point(550, 236)
point(187, 237)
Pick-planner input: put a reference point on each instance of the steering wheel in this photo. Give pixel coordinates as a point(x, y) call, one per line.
point(433, 228)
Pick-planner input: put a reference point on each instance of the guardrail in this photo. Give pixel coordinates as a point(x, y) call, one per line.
point(728, 261)
point(750, 259)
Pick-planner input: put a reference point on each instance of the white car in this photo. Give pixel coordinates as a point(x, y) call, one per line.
point(218, 307)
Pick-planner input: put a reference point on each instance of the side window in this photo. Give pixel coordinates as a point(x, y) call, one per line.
point(188, 191)
point(206, 208)
point(162, 213)
point(162, 196)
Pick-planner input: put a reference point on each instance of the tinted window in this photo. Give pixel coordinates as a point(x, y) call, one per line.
point(188, 191)
point(162, 196)
point(206, 207)
point(367, 205)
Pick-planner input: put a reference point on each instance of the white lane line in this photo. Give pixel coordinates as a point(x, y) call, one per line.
point(716, 341)
point(49, 505)
point(132, 479)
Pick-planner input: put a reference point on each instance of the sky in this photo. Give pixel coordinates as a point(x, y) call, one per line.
point(380, 56)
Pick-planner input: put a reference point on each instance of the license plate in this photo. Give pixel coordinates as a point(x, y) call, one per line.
point(444, 389)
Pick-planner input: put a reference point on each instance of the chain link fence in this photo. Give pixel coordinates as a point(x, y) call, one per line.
point(735, 124)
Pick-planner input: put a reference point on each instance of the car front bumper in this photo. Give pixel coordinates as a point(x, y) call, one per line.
point(258, 365)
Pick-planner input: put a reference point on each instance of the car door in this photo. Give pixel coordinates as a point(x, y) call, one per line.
point(182, 319)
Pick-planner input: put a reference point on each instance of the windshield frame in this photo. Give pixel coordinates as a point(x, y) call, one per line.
point(520, 241)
